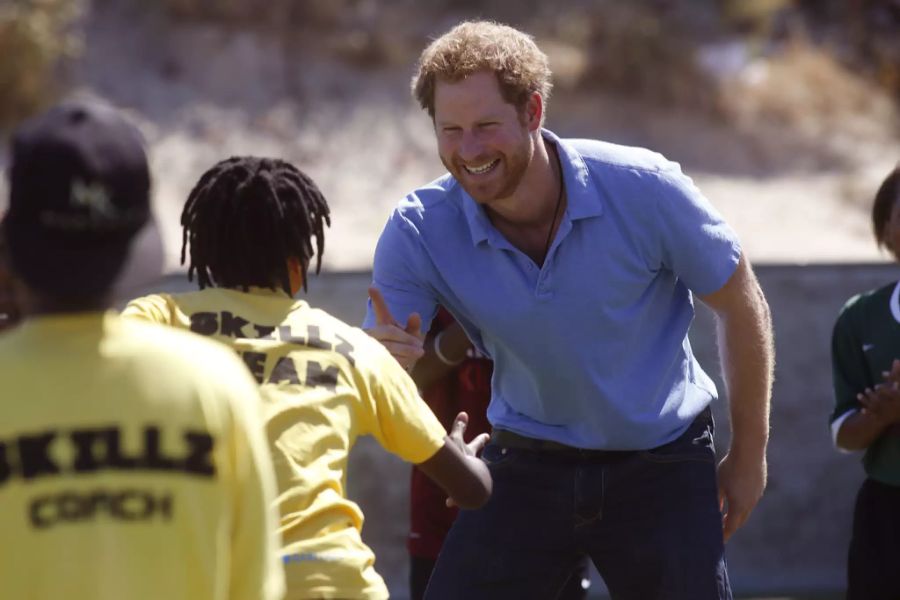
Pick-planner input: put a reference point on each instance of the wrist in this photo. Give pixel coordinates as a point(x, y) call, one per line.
point(750, 450)
point(450, 361)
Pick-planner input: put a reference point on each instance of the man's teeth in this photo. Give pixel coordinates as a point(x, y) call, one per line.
point(482, 169)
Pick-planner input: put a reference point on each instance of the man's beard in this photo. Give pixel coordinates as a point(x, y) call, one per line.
point(514, 166)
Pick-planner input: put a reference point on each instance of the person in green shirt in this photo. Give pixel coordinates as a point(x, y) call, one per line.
point(865, 353)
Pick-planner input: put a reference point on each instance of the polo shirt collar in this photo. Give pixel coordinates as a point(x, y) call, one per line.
point(583, 200)
point(582, 197)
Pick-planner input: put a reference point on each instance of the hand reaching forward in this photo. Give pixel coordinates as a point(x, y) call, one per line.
point(455, 468)
point(406, 344)
point(471, 449)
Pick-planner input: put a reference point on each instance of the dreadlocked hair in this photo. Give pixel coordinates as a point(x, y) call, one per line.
point(246, 217)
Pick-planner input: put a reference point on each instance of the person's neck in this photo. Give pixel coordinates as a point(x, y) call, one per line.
point(536, 198)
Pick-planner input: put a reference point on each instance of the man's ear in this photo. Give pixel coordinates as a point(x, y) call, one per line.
point(295, 274)
point(534, 111)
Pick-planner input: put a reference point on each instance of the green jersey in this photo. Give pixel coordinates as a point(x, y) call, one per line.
point(865, 342)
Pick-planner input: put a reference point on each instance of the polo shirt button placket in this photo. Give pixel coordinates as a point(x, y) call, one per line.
point(543, 290)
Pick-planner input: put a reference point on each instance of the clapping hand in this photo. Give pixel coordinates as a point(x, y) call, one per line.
point(883, 401)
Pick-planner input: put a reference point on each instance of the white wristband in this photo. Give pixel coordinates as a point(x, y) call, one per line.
point(440, 356)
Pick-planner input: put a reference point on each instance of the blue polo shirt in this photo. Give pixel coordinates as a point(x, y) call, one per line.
point(591, 349)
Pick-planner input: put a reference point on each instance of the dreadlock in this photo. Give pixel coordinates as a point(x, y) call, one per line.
point(246, 218)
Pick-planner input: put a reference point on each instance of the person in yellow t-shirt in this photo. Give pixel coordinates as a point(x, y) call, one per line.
point(249, 224)
point(132, 460)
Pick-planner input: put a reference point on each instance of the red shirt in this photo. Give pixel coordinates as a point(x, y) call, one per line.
point(466, 388)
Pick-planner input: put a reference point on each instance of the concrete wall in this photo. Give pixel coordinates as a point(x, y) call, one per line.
point(796, 539)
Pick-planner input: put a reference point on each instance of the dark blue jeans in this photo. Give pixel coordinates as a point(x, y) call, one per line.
point(649, 521)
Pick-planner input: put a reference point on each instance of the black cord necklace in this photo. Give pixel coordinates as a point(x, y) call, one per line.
point(562, 189)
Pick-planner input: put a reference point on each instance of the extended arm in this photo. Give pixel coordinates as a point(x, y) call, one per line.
point(458, 471)
point(747, 355)
point(444, 351)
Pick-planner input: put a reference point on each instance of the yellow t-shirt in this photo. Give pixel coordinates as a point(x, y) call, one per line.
point(132, 465)
point(324, 383)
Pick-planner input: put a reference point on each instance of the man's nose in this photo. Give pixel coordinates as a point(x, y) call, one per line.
point(470, 147)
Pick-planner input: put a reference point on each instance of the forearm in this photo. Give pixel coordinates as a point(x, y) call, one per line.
point(860, 430)
point(453, 348)
point(747, 355)
point(464, 477)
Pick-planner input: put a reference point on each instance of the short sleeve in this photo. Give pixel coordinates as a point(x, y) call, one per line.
point(393, 411)
point(696, 243)
point(398, 273)
point(155, 308)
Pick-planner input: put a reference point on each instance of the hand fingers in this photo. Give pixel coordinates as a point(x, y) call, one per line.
point(383, 315)
point(404, 347)
point(867, 395)
point(479, 443)
point(874, 399)
point(414, 325)
point(392, 333)
point(728, 526)
point(459, 425)
point(894, 373)
point(405, 354)
point(734, 520)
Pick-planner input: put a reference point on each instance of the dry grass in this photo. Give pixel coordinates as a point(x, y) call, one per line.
point(35, 36)
point(808, 91)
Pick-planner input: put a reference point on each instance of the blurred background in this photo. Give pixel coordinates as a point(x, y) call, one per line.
point(785, 112)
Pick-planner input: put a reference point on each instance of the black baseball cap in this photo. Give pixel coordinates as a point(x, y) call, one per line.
point(79, 187)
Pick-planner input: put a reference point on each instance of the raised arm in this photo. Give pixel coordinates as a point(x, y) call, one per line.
point(747, 355)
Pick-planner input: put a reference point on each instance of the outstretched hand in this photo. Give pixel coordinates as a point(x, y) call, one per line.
point(471, 449)
point(405, 343)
